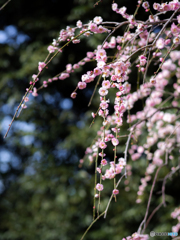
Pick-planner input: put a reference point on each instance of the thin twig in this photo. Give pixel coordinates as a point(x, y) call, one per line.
point(164, 26)
point(139, 49)
point(147, 64)
point(4, 5)
point(152, 214)
point(91, 225)
point(31, 86)
point(163, 195)
point(120, 24)
point(94, 90)
point(149, 201)
point(105, 213)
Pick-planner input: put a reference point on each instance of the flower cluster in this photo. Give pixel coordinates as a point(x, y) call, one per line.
point(176, 214)
point(137, 236)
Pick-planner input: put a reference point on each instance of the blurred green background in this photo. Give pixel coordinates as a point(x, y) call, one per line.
point(44, 194)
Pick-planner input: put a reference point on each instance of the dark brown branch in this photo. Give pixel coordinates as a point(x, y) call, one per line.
point(149, 201)
point(163, 195)
point(152, 214)
point(121, 24)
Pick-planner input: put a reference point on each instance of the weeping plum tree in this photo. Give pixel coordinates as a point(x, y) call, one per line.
point(152, 131)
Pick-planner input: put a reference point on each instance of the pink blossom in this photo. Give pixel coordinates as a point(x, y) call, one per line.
point(153, 80)
point(34, 77)
point(81, 161)
point(81, 85)
point(118, 121)
point(160, 43)
point(145, 5)
point(151, 18)
point(100, 64)
point(88, 150)
point(157, 161)
point(139, 193)
point(90, 54)
point(84, 77)
point(113, 77)
point(73, 95)
point(51, 49)
point(93, 115)
point(106, 84)
point(104, 105)
point(100, 54)
point(103, 162)
point(135, 156)
point(114, 141)
point(102, 145)
point(175, 103)
point(150, 169)
point(109, 174)
point(75, 66)
point(101, 29)
point(140, 149)
point(26, 99)
point(142, 60)
point(176, 40)
point(79, 24)
point(75, 41)
point(116, 130)
point(165, 7)
point(140, 27)
point(119, 168)
point(174, 29)
point(63, 76)
point(99, 187)
point(168, 117)
point(114, 6)
point(97, 71)
point(93, 27)
point(167, 41)
point(34, 92)
point(122, 10)
point(178, 18)
point(87, 34)
point(122, 161)
point(97, 20)
point(23, 106)
point(156, 6)
point(44, 83)
point(103, 91)
point(103, 113)
point(174, 5)
point(41, 66)
point(69, 67)
point(115, 191)
point(102, 155)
